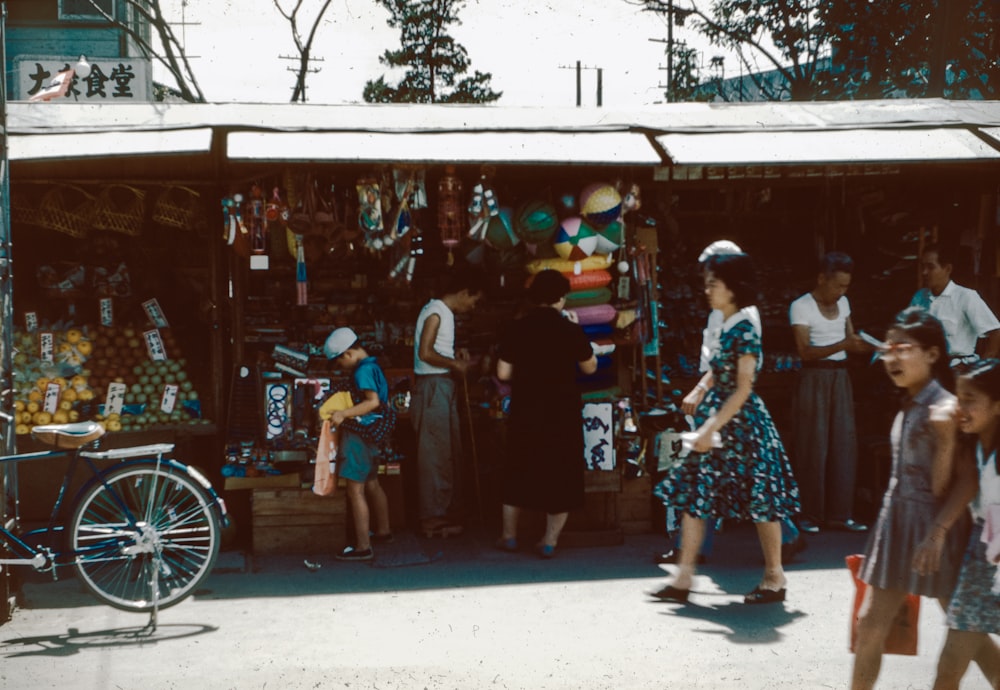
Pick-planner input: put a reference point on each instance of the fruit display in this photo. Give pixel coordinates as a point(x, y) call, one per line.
point(73, 386)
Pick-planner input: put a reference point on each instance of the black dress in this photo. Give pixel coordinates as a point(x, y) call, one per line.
point(545, 464)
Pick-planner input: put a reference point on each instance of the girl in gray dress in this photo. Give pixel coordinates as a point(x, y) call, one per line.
point(917, 543)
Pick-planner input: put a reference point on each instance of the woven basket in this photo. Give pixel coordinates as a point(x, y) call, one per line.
point(24, 200)
point(176, 207)
point(66, 208)
point(120, 208)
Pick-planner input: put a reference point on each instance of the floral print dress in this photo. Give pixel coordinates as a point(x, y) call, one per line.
point(750, 476)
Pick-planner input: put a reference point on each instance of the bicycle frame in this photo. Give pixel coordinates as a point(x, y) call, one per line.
point(48, 557)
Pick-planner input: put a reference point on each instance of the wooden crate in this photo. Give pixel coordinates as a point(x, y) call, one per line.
point(298, 521)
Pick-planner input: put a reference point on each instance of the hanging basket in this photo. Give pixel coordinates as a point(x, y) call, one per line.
point(24, 205)
point(66, 208)
point(120, 208)
point(176, 207)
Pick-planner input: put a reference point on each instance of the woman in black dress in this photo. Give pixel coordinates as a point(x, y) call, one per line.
point(540, 355)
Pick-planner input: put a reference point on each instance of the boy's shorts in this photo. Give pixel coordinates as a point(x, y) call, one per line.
point(357, 459)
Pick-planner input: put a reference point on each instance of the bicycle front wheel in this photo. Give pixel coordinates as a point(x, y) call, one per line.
point(146, 537)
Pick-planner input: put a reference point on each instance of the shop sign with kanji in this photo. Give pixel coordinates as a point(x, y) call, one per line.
point(108, 80)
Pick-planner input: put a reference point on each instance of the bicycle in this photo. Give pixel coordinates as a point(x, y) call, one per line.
point(141, 534)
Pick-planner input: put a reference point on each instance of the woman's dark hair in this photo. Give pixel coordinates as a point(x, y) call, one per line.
point(985, 376)
point(918, 325)
point(737, 272)
point(836, 262)
point(548, 287)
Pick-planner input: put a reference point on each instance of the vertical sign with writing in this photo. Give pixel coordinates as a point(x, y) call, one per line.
point(154, 345)
point(51, 401)
point(107, 312)
point(155, 313)
point(169, 399)
point(115, 399)
point(46, 347)
point(31, 321)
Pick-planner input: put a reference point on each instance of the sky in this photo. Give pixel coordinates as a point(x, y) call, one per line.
point(529, 46)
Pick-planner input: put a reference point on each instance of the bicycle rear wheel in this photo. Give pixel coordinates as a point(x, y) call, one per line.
point(156, 558)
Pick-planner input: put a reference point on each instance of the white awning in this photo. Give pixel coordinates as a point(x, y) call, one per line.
point(825, 147)
point(992, 133)
point(109, 144)
point(597, 148)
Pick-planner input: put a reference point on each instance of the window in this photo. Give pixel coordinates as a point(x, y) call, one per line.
point(85, 9)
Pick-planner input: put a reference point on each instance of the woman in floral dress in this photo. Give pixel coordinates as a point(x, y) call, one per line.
point(747, 476)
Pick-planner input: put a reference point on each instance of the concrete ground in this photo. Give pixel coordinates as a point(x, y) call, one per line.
point(459, 614)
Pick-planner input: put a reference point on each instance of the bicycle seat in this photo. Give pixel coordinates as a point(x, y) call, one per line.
point(68, 435)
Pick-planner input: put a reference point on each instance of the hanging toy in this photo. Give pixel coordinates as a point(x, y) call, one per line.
point(450, 223)
point(229, 224)
point(370, 214)
point(482, 208)
point(258, 231)
point(301, 289)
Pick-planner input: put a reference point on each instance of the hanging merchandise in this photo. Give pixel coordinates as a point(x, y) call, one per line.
point(450, 221)
point(482, 208)
point(600, 204)
point(370, 214)
point(575, 239)
point(500, 230)
point(536, 222)
point(301, 282)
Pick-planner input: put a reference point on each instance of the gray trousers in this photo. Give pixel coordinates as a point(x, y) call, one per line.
point(434, 413)
point(825, 451)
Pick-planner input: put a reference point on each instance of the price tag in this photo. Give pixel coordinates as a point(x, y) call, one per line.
point(115, 399)
point(624, 287)
point(155, 313)
point(169, 399)
point(154, 346)
point(107, 312)
point(31, 321)
point(46, 347)
point(51, 401)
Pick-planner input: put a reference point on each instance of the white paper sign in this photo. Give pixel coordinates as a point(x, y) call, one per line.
point(46, 347)
point(107, 311)
point(51, 402)
point(154, 346)
point(31, 321)
point(115, 399)
point(155, 313)
point(598, 436)
point(169, 399)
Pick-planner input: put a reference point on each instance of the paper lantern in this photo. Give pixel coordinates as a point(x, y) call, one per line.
point(500, 230)
point(536, 222)
point(610, 237)
point(600, 204)
point(575, 240)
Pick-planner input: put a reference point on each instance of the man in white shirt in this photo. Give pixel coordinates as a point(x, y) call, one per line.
point(825, 453)
point(963, 313)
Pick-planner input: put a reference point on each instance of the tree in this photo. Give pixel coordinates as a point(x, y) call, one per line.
point(434, 62)
point(302, 45)
point(134, 17)
point(885, 49)
point(783, 36)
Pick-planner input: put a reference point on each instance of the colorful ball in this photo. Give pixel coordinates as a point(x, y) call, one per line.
point(600, 203)
point(610, 237)
point(575, 240)
point(536, 222)
point(500, 230)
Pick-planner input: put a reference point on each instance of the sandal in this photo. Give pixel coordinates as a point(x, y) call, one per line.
point(671, 593)
point(545, 551)
point(508, 545)
point(764, 596)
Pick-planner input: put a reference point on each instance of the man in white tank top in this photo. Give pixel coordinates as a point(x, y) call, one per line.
point(434, 403)
point(824, 445)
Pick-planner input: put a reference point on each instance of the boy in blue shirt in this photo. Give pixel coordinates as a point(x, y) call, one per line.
point(358, 458)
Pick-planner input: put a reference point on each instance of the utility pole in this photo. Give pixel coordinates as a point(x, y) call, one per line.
point(673, 14)
point(301, 81)
point(579, 67)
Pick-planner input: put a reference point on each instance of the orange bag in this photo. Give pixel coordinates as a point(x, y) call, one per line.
point(902, 638)
point(325, 476)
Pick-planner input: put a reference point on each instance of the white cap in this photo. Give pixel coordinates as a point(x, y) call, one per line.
point(339, 342)
point(719, 247)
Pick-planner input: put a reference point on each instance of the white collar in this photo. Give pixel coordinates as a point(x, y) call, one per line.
point(740, 315)
point(948, 291)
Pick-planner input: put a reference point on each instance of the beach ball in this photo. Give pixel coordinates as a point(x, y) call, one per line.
point(610, 237)
point(536, 222)
point(575, 240)
point(500, 230)
point(600, 204)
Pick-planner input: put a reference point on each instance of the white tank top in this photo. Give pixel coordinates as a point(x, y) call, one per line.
point(444, 343)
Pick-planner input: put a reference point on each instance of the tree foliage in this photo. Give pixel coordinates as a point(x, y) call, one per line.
point(807, 49)
point(918, 48)
point(160, 44)
point(434, 62)
point(303, 44)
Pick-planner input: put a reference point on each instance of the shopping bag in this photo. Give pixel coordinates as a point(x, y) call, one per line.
point(325, 476)
point(902, 638)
